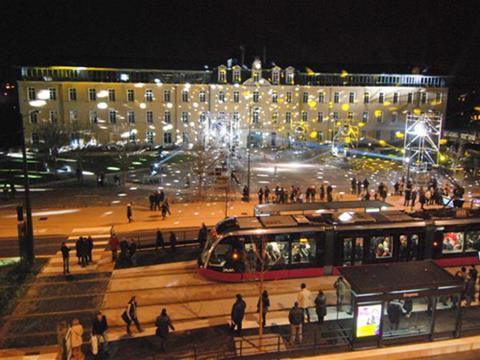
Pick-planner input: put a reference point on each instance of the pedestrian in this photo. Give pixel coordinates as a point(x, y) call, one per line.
point(84, 251)
point(313, 193)
point(237, 314)
point(394, 311)
point(129, 212)
point(202, 236)
point(365, 184)
point(264, 303)
point(295, 318)
point(470, 290)
point(99, 330)
point(329, 193)
point(321, 306)
point(359, 187)
point(304, 300)
point(89, 248)
point(159, 242)
point(340, 286)
point(164, 210)
point(173, 241)
point(421, 198)
point(266, 194)
point(132, 251)
point(78, 249)
point(396, 188)
point(354, 185)
point(413, 198)
point(408, 193)
point(114, 245)
point(76, 340)
point(260, 195)
point(322, 192)
point(66, 258)
point(163, 324)
point(156, 200)
point(151, 199)
point(129, 315)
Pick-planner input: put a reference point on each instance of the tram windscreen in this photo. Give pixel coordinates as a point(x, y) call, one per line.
point(452, 242)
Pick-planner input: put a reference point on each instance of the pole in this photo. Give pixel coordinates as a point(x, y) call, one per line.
point(28, 254)
point(260, 310)
point(248, 149)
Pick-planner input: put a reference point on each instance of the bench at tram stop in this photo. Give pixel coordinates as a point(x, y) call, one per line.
point(398, 302)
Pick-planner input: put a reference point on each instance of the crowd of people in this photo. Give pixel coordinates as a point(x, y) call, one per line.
point(293, 194)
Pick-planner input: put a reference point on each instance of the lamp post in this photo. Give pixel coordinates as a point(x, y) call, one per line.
point(248, 150)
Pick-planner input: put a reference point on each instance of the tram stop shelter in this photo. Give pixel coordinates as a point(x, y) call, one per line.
point(401, 302)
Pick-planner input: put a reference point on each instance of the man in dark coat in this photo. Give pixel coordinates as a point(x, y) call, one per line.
point(394, 311)
point(173, 241)
point(159, 242)
point(202, 236)
point(66, 258)
point(321, 306)
point(78, 249)
point(99, 330)
point(89, 248)
point(238, 312)
point(129, 213)
point(163, 324)
point(296, 318)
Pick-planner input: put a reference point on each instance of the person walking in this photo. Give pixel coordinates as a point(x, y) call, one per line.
point(304, 300)
point(264, 303)
point(354, 185)
point(159, 242)
point(237, 314)
point(163, 324)
point(89, 248)
point(266, 194)
point(296, 318)
point(114, 245)
point(99, 330)
point(156, 201)
point(421, 198)
point(260, 196)
point(173, 241)
point(76, 340)
point(340, 286)
point(66, 258)
point(129, 213)
point(321, 306)
point(202, 236)
point(129, 315)
point(164, 210)
point(151, 199)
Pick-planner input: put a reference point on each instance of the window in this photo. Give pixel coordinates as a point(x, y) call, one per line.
point(274, 97)
point(149, 95)
point(185, 117)
point(379, 116)
point(321, 97)
point(34, 138)
point(473, 241)
point(288, 97)
point(112, 116)
point(93, 117)
point(351, 97)
point(237, 77)
point(304, 248)
point(149, 137)
point(256, 116)
point(438, 98)
point(290, 78)
point(350, 115)
point(320, 117)
point(149, 116)
point(288, 117)
point(275, 76)
point(365, 116)
point(185, 96)
point(111, 94)
point(352, 248)
point(236, 96)
point(203, 117)
point(335, 115)
point(305, 97)
point(256, 96)
point(92, 94)
point(381, 247)
point(167, 117)
point(410, 98)
point(202, 96)
point(167, 96)
point(72, 94)
point(366, 98)
point(256, 75)
point(34, 117)
point(394, 117)
point(73, 115)
point(277, 250)
point(130, 95)
point(304, 116)
point(53, 93)
point(336, 97)
point(275, 117)
point(31, 93)
point(184, 137)
point(381, 98)
point(452, 242)
point(396, 97)
point(167, 138)
point(423, 97)
point(131, 117)
point(52, 116)
point(221, 96)
point(222, 76)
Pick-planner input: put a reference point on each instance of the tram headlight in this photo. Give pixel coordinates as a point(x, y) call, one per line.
point(235, 256)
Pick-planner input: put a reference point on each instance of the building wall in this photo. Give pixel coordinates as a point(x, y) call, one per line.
point(185, 124)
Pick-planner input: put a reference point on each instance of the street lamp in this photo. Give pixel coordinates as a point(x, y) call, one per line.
point(249, 150)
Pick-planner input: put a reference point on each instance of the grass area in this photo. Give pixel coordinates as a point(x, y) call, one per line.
point(14, 280)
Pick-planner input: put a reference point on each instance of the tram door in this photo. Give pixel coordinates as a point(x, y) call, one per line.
point(352, 251)
point(410, 247)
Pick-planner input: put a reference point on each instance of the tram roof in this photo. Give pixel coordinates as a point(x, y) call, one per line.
point(397, 277)
point(332, 205)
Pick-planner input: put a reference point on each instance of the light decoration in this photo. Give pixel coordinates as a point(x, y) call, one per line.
point(43, 95)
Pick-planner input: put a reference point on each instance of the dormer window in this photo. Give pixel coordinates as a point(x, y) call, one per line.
point(237, 75)
point(290, 78)
point(275, 76)
point(256, 75)
point(222, 75)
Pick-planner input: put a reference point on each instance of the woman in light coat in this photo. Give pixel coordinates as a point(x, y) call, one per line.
point(76, 339)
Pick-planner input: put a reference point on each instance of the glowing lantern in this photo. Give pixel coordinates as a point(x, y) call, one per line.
point(345, 107)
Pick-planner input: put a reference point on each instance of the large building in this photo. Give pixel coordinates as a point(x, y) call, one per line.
point(274, 106)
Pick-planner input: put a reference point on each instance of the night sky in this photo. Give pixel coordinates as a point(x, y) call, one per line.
point(437, 36)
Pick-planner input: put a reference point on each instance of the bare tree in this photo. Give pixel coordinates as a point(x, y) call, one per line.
point(51, 138)
point(204, 160)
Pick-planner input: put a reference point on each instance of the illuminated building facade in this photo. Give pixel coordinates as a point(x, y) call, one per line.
point(275, 106)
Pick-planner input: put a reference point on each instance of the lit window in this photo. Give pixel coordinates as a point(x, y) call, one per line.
point(149, 137)
point(256, 96)
point(31, 93)
point(237, 77)
point(396, 97)
point(52, 116)
point(275, 76)
point(131, 117)
point(149, 117)
point(320, 117)
point(304, 116)
point(221, 96)
point(305, 97)
point(72, 94)
point(167, 138)
point(288, 117)
point(111, 94)
point(256, 75)
point(222, 76)
point(438, 98)
point(366, 97)
point(92, 94)
point(336, 97)
point(112, 116)
point(34, 117)
point(274, 97)
point(130, 95)
point(256, 116)
point(148, 95)
point(275, 117)
point(321, 97)
point(351, 97)
point(202, 96)
point(290, 78)
point(288, 98)
point(236, 96)
point(185, 96)
point(379, 116)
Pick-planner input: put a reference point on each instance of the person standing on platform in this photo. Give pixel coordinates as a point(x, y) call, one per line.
point(99, 330)
point(89, 244)
point(340, 286)
point(354, 186)
point(264, 301)
point(173, 241)
point(76, 340)
point(296, 318)
point(159, 242)
point(237, 314)
point(129, 213)
point(114, 245)
point(202, 236)
point(321, 306)
point(78, 249)
point(66, 258)
point(304, 300)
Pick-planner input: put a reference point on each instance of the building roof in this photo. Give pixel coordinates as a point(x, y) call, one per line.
point(398, 277)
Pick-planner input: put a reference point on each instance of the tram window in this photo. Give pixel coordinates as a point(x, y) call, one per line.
point(303, 250)
point(277, 250)
point(347, 250)
point(403, 250)
point(452, 242)
point(219, 255)
point(381, 247)
point(251, 257)
point(473, 241)
point(414, 246)
point(357, 251)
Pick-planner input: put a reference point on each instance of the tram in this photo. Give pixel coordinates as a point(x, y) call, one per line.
point(292, 246)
